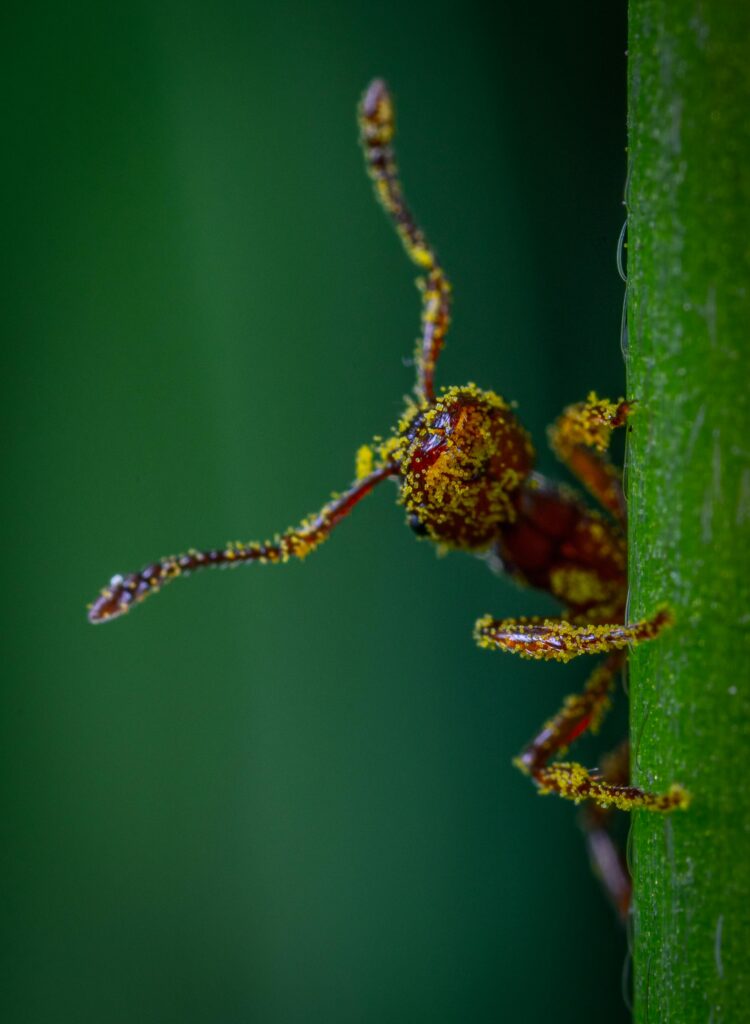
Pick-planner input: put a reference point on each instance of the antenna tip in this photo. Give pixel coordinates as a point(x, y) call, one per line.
point(375, 94)
point(113, 601)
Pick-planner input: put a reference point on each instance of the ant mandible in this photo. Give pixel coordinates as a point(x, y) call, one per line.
point(464, 466)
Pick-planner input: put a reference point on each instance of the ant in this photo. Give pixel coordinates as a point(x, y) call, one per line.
point(464, 467)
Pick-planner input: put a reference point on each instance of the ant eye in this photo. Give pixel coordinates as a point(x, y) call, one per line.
point(416, 524)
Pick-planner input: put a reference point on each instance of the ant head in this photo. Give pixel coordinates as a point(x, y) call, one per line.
point(462, 457)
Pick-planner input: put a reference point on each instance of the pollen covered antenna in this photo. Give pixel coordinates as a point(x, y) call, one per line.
point(123, 592)
point(377, 126)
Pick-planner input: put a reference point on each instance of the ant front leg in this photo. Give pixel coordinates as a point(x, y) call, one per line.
point(559, 640)
point(580, 438)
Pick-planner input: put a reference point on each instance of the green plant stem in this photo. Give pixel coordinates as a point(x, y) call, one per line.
point(689, 498)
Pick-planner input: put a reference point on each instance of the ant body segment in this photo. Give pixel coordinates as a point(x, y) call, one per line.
point(464, 466)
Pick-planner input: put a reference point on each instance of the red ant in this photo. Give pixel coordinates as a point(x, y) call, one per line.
point(464, 466)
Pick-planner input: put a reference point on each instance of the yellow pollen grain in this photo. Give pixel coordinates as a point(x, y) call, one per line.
point(364, 462)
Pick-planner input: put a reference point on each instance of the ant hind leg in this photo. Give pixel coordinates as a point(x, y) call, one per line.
point(571, 780)
point(606, 856)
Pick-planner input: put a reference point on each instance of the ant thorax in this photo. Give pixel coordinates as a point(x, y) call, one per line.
point(462, 459)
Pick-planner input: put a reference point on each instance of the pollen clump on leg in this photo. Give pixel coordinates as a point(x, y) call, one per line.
point(589, 423)
point(572, 781)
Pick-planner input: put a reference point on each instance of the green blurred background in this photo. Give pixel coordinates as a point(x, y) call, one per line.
point(285, 795)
